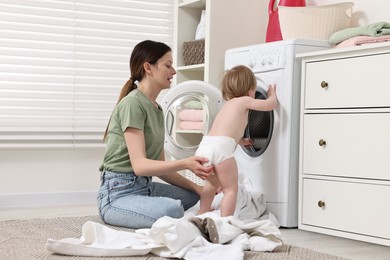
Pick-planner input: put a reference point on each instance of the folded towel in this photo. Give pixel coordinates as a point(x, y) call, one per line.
point(193, 105)
point(195, 115)
point(190, 125)
point(375, 29)
point(361, 40)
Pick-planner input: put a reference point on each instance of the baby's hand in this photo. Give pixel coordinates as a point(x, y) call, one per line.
point(271, 92)
point(245, 142)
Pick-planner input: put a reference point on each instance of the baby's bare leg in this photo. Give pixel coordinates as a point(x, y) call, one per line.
point(227, 174)
point(208, 194)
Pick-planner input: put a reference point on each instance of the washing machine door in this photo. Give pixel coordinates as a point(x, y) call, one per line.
point(189, 111)
point(260, 125)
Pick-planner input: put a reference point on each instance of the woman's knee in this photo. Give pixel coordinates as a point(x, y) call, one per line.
point(173, 208)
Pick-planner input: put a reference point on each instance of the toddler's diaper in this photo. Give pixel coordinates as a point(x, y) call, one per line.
point(216, 148)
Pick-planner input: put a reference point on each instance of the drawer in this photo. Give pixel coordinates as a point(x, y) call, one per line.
point(348, 206)
point(356, 145)
point(352, 83)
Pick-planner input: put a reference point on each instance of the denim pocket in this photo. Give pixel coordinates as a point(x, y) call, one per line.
point(128, 185)
point(121, 183)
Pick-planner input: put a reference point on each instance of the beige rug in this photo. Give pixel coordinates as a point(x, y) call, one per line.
point(26, 239)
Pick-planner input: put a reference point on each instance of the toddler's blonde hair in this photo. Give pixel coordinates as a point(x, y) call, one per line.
point(237, 82)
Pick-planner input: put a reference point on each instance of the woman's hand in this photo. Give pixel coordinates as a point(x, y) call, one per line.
point(196, 165)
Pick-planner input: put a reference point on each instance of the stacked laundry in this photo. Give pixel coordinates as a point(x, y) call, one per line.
point(191, 117)
point(376, 32)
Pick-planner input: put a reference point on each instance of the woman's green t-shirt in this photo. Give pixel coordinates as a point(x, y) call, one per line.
point(136, 111)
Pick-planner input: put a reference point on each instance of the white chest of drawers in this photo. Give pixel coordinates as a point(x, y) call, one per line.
point(344, 175)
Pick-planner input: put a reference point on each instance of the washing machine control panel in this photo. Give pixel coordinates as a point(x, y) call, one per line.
point(258, 59)
point(266, 59)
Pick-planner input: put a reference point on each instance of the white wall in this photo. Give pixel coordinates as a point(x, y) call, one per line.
point(39, 177)
point(364, 11)
point(49, 176)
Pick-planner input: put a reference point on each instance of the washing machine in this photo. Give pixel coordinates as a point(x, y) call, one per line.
point(272, 162)
point(189, 110)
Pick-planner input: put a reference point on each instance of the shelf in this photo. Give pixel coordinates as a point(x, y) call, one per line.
point(237, 25)
point(196, 67)
point(193, 4)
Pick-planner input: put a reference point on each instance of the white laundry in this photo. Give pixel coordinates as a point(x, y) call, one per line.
point(100, 240)
point(216, 252)
point(256, 235)
point(249, 205)
point(208, 236)
point(170, 237)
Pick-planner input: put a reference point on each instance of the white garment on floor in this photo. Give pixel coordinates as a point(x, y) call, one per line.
point(250, 204)
point(100, 240)
point(170, 237)
point(248, 229)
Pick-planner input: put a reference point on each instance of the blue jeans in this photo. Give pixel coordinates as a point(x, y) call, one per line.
point(132, 201)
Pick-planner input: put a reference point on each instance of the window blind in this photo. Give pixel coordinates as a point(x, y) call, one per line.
point(63, 63)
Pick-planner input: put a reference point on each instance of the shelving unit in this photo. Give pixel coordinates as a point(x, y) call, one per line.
point(229, 24)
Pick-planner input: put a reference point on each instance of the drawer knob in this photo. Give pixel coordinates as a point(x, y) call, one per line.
point(324, 84)
point(322, 142)
point(321, 204)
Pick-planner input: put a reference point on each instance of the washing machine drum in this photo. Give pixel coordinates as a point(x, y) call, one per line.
point(259, 128)
point(189, 111)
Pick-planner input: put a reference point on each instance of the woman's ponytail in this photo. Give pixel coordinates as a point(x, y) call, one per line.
point(126, 89)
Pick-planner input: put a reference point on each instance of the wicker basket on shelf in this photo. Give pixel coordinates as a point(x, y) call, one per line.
point(193, 52)
point(314, 22)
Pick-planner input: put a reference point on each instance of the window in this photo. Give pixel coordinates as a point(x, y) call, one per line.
point(63, 63)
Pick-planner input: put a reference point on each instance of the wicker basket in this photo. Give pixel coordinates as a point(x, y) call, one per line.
point(314, 22)
point(193, 52)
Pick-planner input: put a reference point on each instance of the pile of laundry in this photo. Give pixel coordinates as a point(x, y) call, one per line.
point(373, 33)
point(207, 236)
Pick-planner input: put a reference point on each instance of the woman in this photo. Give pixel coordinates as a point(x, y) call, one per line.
point(135, 149)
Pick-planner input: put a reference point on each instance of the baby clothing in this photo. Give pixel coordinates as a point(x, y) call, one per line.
point(216, 149)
